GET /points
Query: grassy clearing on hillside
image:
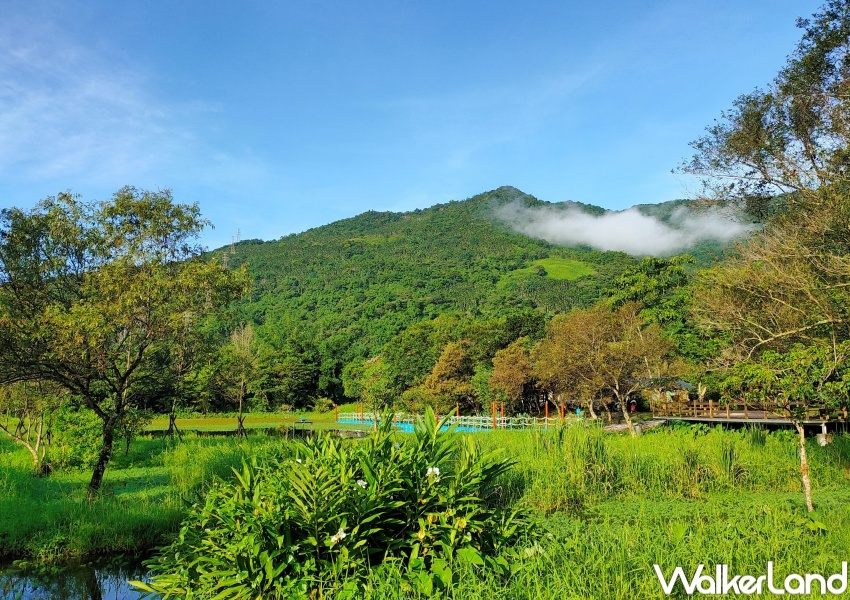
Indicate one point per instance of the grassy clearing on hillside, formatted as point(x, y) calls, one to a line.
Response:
point(555, 267)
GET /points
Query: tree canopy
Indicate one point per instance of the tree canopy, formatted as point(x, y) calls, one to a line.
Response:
point(782, 302)
point(94, 294)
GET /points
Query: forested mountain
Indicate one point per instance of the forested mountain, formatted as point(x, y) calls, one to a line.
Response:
point(338, 293)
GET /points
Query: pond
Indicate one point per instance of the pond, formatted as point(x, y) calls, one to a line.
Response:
point(104, 579)
point(408, 427)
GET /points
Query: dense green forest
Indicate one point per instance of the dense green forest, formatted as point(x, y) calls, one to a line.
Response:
point(338, 294)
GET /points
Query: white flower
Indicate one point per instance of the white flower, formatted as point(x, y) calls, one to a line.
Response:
point(362, 483)
point(298, 460)
point(339, 536)
point(433, 472)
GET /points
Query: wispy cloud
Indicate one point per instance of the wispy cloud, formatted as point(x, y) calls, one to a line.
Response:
point(78, 116)
point(629, 231)
point(64, 113)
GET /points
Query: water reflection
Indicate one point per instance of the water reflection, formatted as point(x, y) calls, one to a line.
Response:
point(75, 582)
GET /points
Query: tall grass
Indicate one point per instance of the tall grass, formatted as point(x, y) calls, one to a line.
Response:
point(143, 499)
point(609, 553)
point(563, 469)
point(608, 506)
point(616, 505)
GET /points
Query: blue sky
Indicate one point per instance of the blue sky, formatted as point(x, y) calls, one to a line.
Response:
point(281, 116)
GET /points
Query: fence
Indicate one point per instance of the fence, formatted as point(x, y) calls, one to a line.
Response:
point(463, 423)
point(737, 411)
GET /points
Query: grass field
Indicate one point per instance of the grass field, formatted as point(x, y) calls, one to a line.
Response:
point(315, 420)
point(607, 507)
point(556, 268)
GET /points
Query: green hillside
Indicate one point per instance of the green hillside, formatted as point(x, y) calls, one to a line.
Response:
point(336, 293)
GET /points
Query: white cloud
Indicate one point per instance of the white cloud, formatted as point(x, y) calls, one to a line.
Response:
point(628, 231)
point(63, 113)
point(76, 115)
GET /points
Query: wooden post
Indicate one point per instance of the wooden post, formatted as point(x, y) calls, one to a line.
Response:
point(746, 411)
point(336, 413)
point(493, 409)
point(710, 408)
point(728, 415)
point(547, 414)
point(457, 409)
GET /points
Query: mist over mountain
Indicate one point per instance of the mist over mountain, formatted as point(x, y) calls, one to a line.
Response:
point(632, 230)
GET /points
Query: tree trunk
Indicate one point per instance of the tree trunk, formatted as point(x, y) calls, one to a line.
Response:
point(240, 419)
point(38, 449)
point(624, 407)
point(607, 411)
point(172, 421)
point(804, 466)
point(102, 458)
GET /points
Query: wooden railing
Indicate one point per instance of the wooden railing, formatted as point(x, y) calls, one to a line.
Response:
point(709, 409)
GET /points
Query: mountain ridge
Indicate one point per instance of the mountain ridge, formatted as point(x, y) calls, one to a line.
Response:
point(341, 291)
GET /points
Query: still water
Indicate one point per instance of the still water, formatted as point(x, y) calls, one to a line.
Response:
point(75, 582)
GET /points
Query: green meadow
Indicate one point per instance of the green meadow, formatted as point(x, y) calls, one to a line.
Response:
point(604, 508)
point(553, 267)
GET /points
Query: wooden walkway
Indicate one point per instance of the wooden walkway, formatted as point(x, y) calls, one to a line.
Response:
point(739, 413)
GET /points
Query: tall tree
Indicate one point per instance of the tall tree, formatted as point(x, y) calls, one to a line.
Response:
point(450, 380)
point(91, 293)
point(602, 354)
point(512, 375)
point(785, 298)
point(789, 140)
point(236, 370)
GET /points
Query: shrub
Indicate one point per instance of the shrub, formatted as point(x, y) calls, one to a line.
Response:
point(318, 517)
point(77, 436)
point(323, 405)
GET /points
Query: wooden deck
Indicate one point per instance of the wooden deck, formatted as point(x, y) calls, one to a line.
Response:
point(739, 413)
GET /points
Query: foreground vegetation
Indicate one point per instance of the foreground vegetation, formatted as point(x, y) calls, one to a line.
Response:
point(605, 508)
